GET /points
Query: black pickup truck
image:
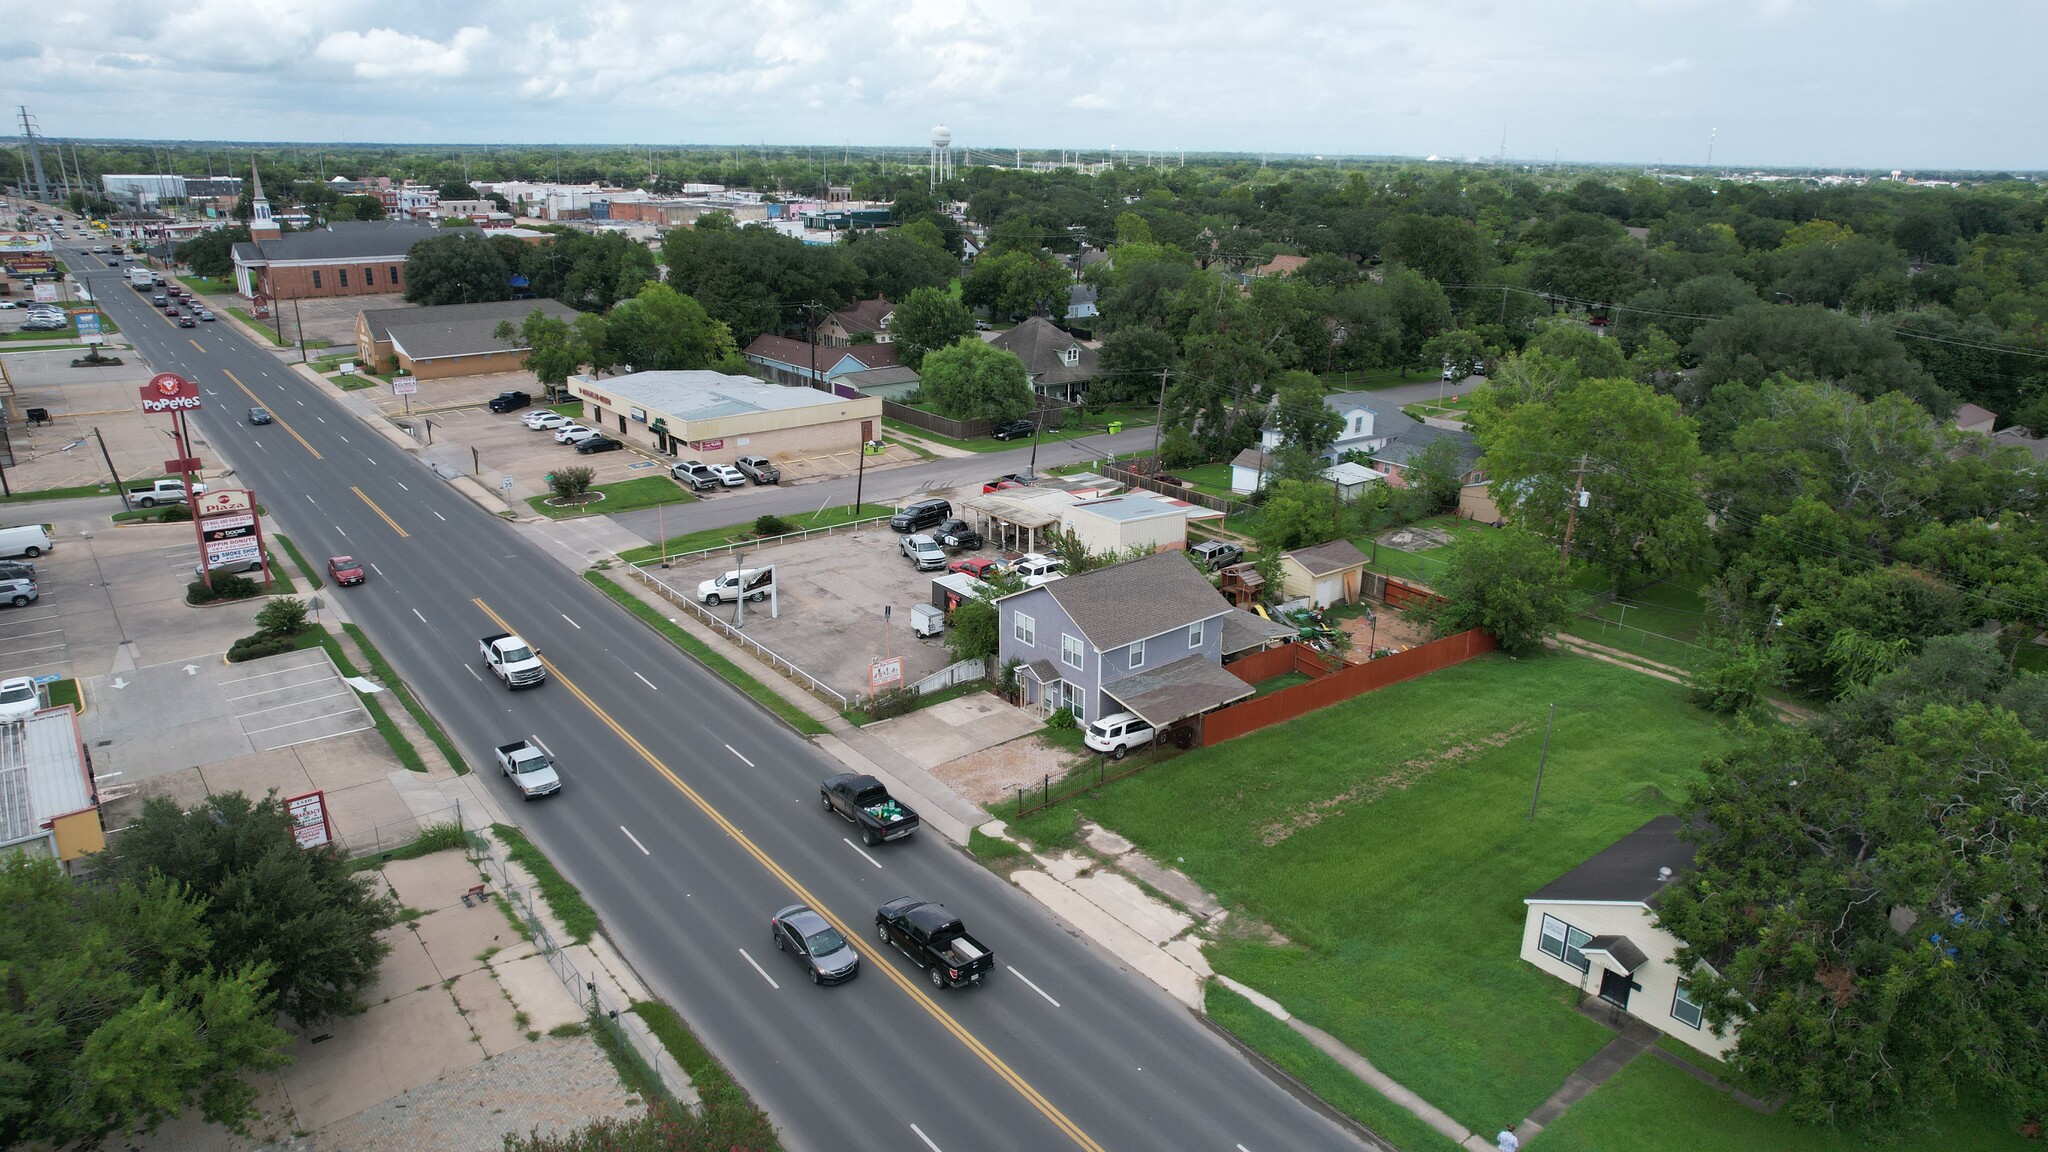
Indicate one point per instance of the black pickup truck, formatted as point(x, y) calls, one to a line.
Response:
point(936, 940)
point(868, 806)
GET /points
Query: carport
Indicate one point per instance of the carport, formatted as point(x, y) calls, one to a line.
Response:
point(1015, 518)
point(1171, 693)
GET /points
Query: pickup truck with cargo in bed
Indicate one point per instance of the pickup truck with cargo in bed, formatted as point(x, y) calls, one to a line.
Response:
point(935, 940)
point(528, 765)
point(868, 806)
point(512, 660)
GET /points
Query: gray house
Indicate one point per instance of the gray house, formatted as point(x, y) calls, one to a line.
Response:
point(1144, 636)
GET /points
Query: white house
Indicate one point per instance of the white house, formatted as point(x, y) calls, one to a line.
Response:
point(1116, 524)
point(1595, 927)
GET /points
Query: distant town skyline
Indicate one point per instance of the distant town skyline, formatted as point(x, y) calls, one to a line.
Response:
point(1813, 84)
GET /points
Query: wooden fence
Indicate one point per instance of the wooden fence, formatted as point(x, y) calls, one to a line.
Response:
point(1050, 413)
point(1267, 663)
point(1400, 595)
point(1151, 483)
point(1343, 684)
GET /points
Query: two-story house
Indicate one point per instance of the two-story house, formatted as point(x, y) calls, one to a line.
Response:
point(1058, 365)
point(866, 317)
point(1145, 636)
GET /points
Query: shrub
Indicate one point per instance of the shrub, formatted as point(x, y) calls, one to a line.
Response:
point(891, 702)
point(224, 588)
point(175, 513)
point(772, 525)
point(258, 646)
point(571, 483)
point(1062, 719)
point(285, 616)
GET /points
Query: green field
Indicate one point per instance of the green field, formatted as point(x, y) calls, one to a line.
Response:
point(620, 496)
point(1388, 838)
point(731, 533)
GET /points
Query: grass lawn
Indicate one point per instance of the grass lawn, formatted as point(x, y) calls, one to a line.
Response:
point(1284, 680)
point(262, 326)
point(312, 574)
point(381, 668)
point(208, 286)
point(76, 493)
point(621, 496)
point(1388, 839)
point(374, 705)
point(1661, 621)
point(1210, 479)
point(732, 533)
point(1371, 381)
point(1651, 1105)
point(1423, 565)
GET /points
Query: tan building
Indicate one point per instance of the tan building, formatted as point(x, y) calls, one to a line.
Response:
point(1325, 574)
point(1595, 927)
point(449, 339)
point(717, 418)
point(1117, 524)
point(48, 804)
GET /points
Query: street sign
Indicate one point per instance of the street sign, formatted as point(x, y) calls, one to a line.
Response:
point(88, 323)
point(309, 819)
point(182, 465)
point(505, 482)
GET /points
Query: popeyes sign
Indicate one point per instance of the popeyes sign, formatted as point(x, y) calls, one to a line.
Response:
point(169, 392)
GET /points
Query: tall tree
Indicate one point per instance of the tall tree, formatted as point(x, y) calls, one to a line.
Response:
point(302, 913)
point(897, 262)
point(663, 330)
point(1305, 422)
point(461, 268)
point(1632, 453)
point(1506, 581)
point(928, 319)
point(975, 381)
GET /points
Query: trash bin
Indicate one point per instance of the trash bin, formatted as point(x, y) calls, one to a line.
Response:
point(1115, 426)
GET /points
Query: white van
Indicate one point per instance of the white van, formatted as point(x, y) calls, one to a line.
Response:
point(30, 540)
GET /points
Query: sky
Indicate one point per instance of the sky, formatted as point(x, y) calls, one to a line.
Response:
point(1884, 84)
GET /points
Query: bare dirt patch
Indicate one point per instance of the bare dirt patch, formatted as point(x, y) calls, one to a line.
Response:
point(1404, 775)
point(994, 774)
point(1415, 539)
point(1395, 632)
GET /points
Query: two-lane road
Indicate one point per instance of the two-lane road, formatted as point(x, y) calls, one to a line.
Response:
point(688, 816)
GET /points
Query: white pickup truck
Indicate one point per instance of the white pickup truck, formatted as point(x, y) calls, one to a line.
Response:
point(512, 660)
point(528, 764)
point(162, 492)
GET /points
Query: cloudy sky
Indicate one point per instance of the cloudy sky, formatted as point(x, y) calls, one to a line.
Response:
point(1857, 83)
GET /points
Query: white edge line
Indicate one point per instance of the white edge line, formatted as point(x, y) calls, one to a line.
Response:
point(377, 570)
point(437, 515)
point(927, 1140)
point(1033, 987)
point(635, 840)
point(645, 680)
point(572, 623)
point(401, 484)
point(472, 672)
point(736, 752)
point(864, 854)
point(416, 612)
point(761, 970)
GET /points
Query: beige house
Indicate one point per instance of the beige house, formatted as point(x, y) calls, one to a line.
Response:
point(717, 418)
point(1116, 524)
point(1325, 574)
point(1595, 927)
point(446, 340)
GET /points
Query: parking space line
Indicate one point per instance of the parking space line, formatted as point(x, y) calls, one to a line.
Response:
point(33, 635)
point(292, 704)
point(276, 672)
point(761, 970)
point(323, 678)
point(44, 648)
point(307, 720)
point(11, 621)
point(314, 739)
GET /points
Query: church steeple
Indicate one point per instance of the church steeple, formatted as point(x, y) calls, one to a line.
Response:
point(261, 226)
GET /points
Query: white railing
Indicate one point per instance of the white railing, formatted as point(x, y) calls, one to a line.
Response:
point(950, 675)
point(769, 541)
point(766, 655)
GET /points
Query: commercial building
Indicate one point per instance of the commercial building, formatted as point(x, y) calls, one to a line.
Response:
point(449, 339)
point(1115, 525)
point(48, 804)
point(717, 418)
point(350, 258)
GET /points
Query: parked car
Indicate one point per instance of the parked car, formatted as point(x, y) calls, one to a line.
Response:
point(956, 533)
point(1118, 733)
point(345, 570)
point(920, 515)
point(923, 551)
point(511, 401)
point(1035, 565)
point(569, 433)
point(259, 415)
point(1214, 554)
point(815, 944)
point(751, 583)
point(230, 568)
point(541, 418)
point(17, 570)
point(19, 593)
point(18, 698)
point(697, 474)
point(597, 442)
point(758, 469)
point(729, 476)
point(975, 566)
point(1015, 430)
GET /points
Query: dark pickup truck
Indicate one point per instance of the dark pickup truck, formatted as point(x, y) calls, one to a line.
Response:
point(868, 806)
point(936, 940)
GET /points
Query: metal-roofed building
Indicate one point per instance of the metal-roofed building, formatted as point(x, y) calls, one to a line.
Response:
point(48, 805)
point(449, 339)
point(1117, 524)
point(718, 418)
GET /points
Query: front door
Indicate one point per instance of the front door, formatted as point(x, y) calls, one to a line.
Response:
point(1614, 988)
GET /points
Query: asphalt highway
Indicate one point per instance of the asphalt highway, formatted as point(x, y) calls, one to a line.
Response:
point(688, 816)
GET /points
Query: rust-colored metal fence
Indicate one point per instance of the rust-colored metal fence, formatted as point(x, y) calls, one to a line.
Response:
point(1343, 684)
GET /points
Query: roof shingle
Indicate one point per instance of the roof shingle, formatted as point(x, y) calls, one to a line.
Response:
point(1124, 602)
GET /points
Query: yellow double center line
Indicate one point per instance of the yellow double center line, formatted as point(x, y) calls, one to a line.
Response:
point(857, 939)
point(278, 420)
point(381, 515)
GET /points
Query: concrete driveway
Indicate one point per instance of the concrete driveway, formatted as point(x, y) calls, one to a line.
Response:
point(932, 736)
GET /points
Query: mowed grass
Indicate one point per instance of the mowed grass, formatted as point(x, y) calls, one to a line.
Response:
point(619, 496)
point(1650, 1105)
point(1388, 838)
point(736, 533)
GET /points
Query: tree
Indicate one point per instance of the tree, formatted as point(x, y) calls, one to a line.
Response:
point(928, 319)
point(662, 330)
point(975, 381)
point(1865, 907)
point(357, 208)
point(1633, 454)
point(1444, 248)
point(1460, 349)
point(284, 616)
point(122, 1009)
point(896, 263)
point(456, 269)
point(1015, 283)
point(1305, 422)
point(571, 484)
point(1133, 360)
point(1507, 581)
point(755, 280)
point(555, 348)
point(1435, 476)
point(300, 912)
point(1297, 514)
point(211, 253)
point(975, 631)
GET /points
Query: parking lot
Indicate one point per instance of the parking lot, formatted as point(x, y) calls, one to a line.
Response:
point(831, 591)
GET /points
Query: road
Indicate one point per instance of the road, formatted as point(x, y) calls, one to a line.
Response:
point(688, 816)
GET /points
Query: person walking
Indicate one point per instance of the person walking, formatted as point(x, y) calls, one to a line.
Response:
point(1507, 1141)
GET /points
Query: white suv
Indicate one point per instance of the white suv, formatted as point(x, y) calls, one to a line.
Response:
point(1117, 734)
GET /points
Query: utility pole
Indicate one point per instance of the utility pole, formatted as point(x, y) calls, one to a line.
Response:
point(1158, 422)
point(1578, 501)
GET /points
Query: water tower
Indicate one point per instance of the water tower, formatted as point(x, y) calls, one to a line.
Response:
point(942, 156)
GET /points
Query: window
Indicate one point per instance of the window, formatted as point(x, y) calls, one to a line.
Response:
point(1070, 650)
point(1024, 630)
point(316, 277)
point(343, 273)
point(1075, 700)
point(1072, 355)
point(1683, 1009)
point(370, 274)
point(1194, 636)
point(1563, 941)
point(1358, 425)
point(1138, 654)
